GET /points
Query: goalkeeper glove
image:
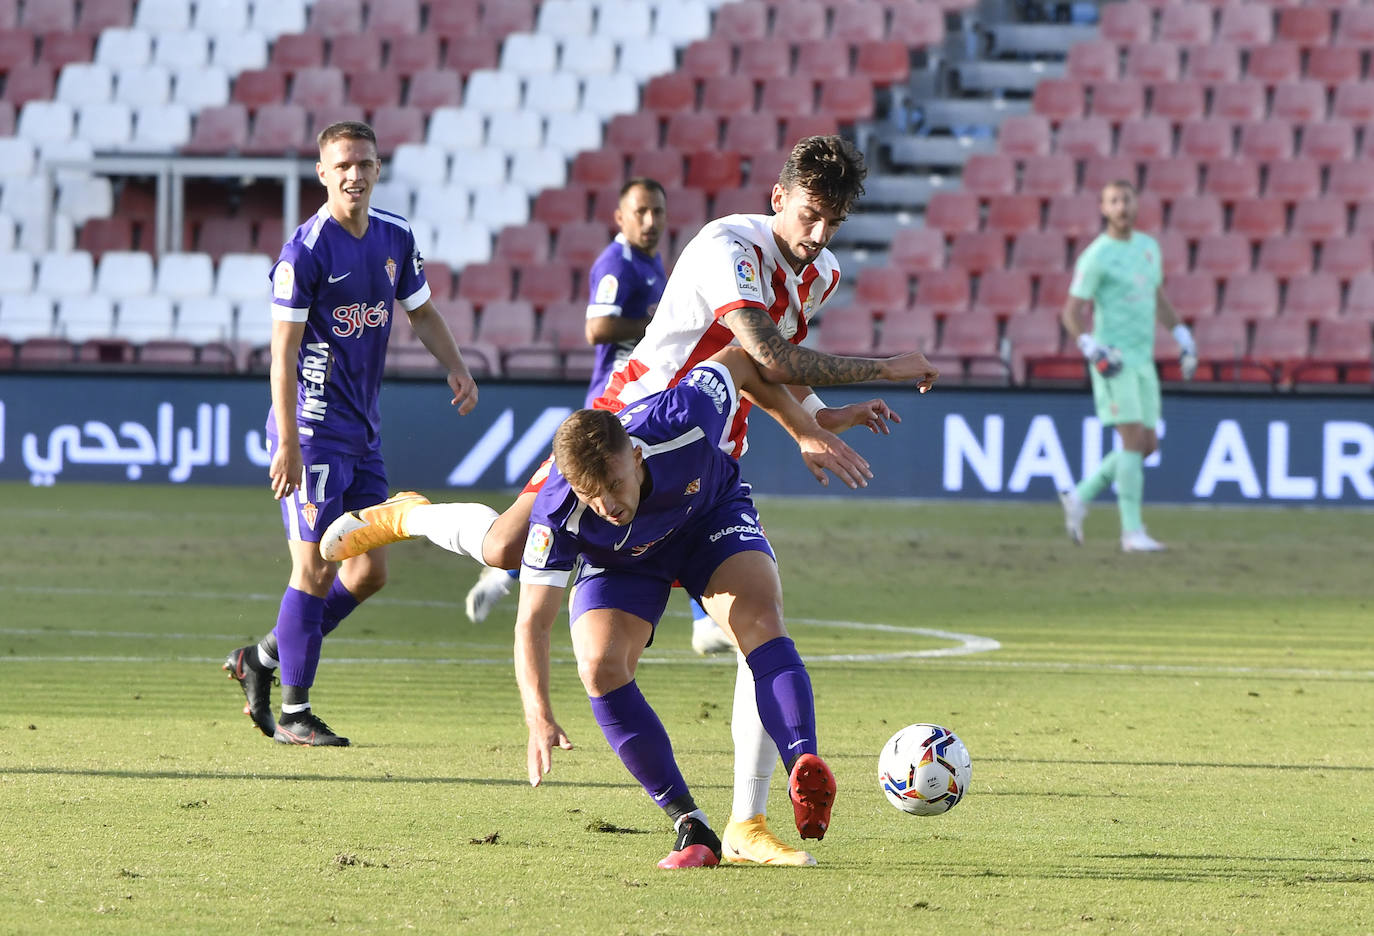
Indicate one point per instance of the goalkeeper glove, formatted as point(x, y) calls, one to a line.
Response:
point(1104, 359)
point(1187, 351)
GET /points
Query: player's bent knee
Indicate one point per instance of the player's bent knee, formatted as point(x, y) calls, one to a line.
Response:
point(602, 675)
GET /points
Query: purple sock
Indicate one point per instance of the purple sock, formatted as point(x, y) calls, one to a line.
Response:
point(338, 604)
point(633, 731)
point(298, 631)
point(782, 691)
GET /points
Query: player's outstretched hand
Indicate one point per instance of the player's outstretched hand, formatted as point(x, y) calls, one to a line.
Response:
point(464, 391)
point(912, 366)
point(285, 471)
point(824, 451)
point(544, 737)
point(874, 414)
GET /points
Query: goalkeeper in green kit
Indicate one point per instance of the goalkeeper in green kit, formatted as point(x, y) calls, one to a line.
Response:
point(1121, 274)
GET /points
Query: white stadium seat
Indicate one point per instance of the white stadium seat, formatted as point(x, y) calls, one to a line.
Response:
point(243, 276)
point(124, 274)
point(9, 232)
point(278, 17)
point(529, 54)
point(25, 201)
point(181, 49)
point(46, 122)
point(478, 167)
point(83, 317)
point(608, 95)
point(70, 273)
point(236, 52)
point(623, 19)
point(185, 275)
point(253, 322)
point(444, 204)
point(146, 84)
point(424, 234)
point(124, 48)
point(16, 271)
point(419, 164)
point(106, 126)
point(18, 157)
point(83, 198)
point(537, 169)
point(393, 195)
point(222, 17)
point(161, 128)
point(517, 130)
point(25, 317)
point(643, 59)
point(85, 83)
point(144, 318)
point(501, 206)
point(206, 86)
point(165, 15)
point(207, 319)
point(588, 55)
point(684, 21)
point(461, 244)
point(572, 133)
point(74, 150)
point(59, 235)
point(490, 91)
point(554, 93)
point(454, 127)
point(565, 18)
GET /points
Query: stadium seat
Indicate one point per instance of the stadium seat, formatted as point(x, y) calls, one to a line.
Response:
point(883, 62)
point(1312, 297)
point(1024, 135)
point(413, 54)
point(557, 207)
point(1012, 214)
point(461, 244)
point(1359, 300)
point(988, 174)
point(789, 97)
point(480, 283)
point(747, 134)
point(1145, 139)
point(239, 276)
point(1221, 338)
point(799, 126)
point(953, 212)
point(97, 15)
point(336, 17)
point(976, 251)
point(1259, 218)
point(297, 51)
point(124, 274)
point(1185, 24)
point(278, 18)
point(1351, 182)
point(52, 16)
point(846, 329)
point(1354, 27)
point(1364, 220)
point(1204, 139)
point(1250, 295)
point(1299, 102)
point(1328, 141)
point(1341, 353)
point(523, 244)
point(1196, 216)
point(580, 243)
point(544, 283)
point(238, 52)
point(726, 95)
point(1057, 99)
point(973, 334)
point(590, 55)
point(219, 236)
point(910, 330)
point(527, 54)
point(1238, 101)
point(1319, 219)
point(317, 88)
point(1280, 343)
point(65, 274)
point(1118, 101)
point(506, 324)
point(1246, 26)
point(1039, 252)
point(1177, 101)
point(260, 86)
point(80, 318)
point(122, 48)
point(1076, 216)
point(632, 132)
point(99, 235)
point(767, 58)
point(1048, 176)
point(1305, 26)
point(279, 129)
point(434, 88)
point(693, 130)
point(1266, 140)
point(643, 59)
point(1273, 65)
point(916, 250)
point(1346, 257)
point(1215, 63)
point(522, 129)
point(920, 25)
point(1285, 256)
point(144, 318)
point(472, 54)
point(682, 22)
point(598, 168)
point(1293, 180)
point(500, 205)
point(664, 164)
point(1093, 60)
point(1003, 293)
point(712, 170)
point(455, 128)
point(1152, 61)
point(456, 22)
point(60, 49)
point(492, 92)
point(107, 126)
point(205, 319)
point(85, 83)
point(185, 276)
point(1223, 255)
point(943, 292)
point(1332, 68)
point(573, 132)
point(666, 95)
point(849, 99)
point(1231, 179)
point(1126, 23)
point(1100, 170)
point(440, 279)
point(1084, 138)
point(745, 200)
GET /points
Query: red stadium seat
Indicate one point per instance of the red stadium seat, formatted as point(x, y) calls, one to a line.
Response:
point(219, 236)
point(686, 212)
point(1312, 297)
point(1359, 301)
point(750, 133)
point(1334, 67)
point(1031, 335)
point(849, 99)
point(415, 53)
point(1328, 141)
point(988, 174)
point(565, 325)
point(973, 336)
point(1355, 27)
point(1057, 99)
point(1223, 255)
point(279, 129)
point(49, 16)
point(454, 19)
point(1024, 135)
point(883, 62)
point(1306, 26)
point(1177, 101)
point(105, 14)
point(1238, 101)
point(1003, 293)
point(1221, 338)
point(480, 283)
point(1039, 252)
point(1280, 343)
point(596, 168)
point(505, 323)
point(976, 251)
point(1364, 220)
point(1299, 102)
point(545, 282)
point(692, 130)
point(668, 94)
point(1193, 295)
point(1351, 182)
point(440, 279)
point(1205, 139)
point(748, 199)
point(1126, 23)
point(954, 212)
point(98, 235)
point(1012, 214)
point(767, 58)
point(799, 20)
point(295, 51)
point(394, 18)
point(1196, 216)
point(1353, 101)
point(1052, 290)
point(1077, 217)
point(1084, 138)
point(663, 165)
point(470, 54)
point(745, 21)
point(709, 57)
point(17, 48)
point(432, 88)
point(910, 330)
point(1231, 179)
point(1186, 24)
point(523, 244)
point(765, 166)
point(917, 250)
point(346, 51)
point(790, 97)
point(712, 170)
point(580, 243)
point(919, 25)
point(373, 88)
point(944, 292)
point(846, 330)
point(1266, 140)
point(1259, 218)
point(1213, 64)
point(219, 131)
point(1118, 101)
point(1100, 170)
point(1293, 180)
point(316, 88)
point(1347, 257)
point(1152, 61)
point(336, 17)
point(1145, 139)
point(1246, 26)
point(860, 21)
point(1320, 219)
point(1341, 353)
point(1250, 296)
point(1149, 216)
point(629, 133)
point(256, 87)
point(508, 16)
point(727, 94)
point(1048, 176)
point(1093, 60)
point(882, 288)
point(822, 59)
point(1275, 64)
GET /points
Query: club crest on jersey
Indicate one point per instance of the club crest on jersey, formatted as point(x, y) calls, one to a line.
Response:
point(709, 383)
point(310, 513)
point(693, 487)
point(391, 270)
point(537, 546)
point(747, 277)
point(283, 280)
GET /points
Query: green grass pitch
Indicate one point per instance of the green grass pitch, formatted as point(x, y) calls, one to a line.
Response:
point(1173, 743)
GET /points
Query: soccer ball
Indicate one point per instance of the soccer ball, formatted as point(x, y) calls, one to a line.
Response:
point(924, 770)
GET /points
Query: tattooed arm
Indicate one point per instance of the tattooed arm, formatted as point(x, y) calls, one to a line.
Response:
point(780, 361)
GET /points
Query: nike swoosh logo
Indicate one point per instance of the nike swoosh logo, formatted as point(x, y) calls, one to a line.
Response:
point(335, 279)
point(797, 742)
point(651, 280)
point(624, 538)
point(743, 538)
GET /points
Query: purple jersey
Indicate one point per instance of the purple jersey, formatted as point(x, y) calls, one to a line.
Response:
point(346, 290)
point(680, 432)
point(626, 283)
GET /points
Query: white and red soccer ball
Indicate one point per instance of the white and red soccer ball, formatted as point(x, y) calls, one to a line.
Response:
point(924, 770)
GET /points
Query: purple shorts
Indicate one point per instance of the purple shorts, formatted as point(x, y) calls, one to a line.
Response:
point(690, 557)
point(333, 483)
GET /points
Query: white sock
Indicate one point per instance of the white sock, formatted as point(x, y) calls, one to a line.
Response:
point(459, 528)
point(293, 709)
point(698, 814)
point(265, 658)
point(756, 755)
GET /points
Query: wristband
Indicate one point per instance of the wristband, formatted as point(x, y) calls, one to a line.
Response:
point(1087, 344)
point(811, 404)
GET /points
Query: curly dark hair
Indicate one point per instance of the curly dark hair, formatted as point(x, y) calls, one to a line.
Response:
point(828, 168)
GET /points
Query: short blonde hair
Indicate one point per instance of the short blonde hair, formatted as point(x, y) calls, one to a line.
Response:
point(584, 445)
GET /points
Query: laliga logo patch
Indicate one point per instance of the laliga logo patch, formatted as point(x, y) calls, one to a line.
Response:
point(391, 270)
point(537, 546)
point(311, 513)
point(284, 280)
point(708, 383)
point(747, 278)
point(606, 290)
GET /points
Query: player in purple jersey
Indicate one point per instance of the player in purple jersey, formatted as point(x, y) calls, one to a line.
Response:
point(338, 283)
point(633, 503)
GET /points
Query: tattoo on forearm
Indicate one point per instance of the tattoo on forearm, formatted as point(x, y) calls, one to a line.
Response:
point(759, 335)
